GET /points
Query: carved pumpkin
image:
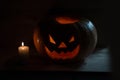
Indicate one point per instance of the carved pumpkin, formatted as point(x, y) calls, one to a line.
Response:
point(65, 39)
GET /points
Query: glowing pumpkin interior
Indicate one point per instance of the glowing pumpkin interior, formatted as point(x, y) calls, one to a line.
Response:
point(66, 20)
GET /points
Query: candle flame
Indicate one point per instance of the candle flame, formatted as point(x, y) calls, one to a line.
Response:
point(22, 43)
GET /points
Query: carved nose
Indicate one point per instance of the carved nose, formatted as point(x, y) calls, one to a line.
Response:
point(62, 45)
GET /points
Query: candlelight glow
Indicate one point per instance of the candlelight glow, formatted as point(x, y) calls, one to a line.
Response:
point(22, 43)
point(23, 50)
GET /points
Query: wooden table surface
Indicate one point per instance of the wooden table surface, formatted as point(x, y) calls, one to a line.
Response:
point(99, 61)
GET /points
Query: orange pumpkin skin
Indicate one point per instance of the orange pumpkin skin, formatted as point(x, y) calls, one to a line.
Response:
point(65, 39)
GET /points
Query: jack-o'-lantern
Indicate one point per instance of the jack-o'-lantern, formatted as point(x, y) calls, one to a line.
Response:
point(65, 39)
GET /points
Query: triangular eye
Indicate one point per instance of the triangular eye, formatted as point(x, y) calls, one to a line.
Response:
point(52, 40)
point(72, 39)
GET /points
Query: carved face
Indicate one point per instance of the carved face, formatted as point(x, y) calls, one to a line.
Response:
point(61, 40)
point(62, 50)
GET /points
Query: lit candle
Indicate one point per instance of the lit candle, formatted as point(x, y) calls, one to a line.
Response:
point(23, 50)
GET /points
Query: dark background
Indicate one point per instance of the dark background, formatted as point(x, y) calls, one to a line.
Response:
point(19, 17)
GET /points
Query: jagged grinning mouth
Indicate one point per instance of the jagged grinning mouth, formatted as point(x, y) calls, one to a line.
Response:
point(63, 55)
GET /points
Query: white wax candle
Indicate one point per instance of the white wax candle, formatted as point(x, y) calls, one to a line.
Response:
point(23, 50)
